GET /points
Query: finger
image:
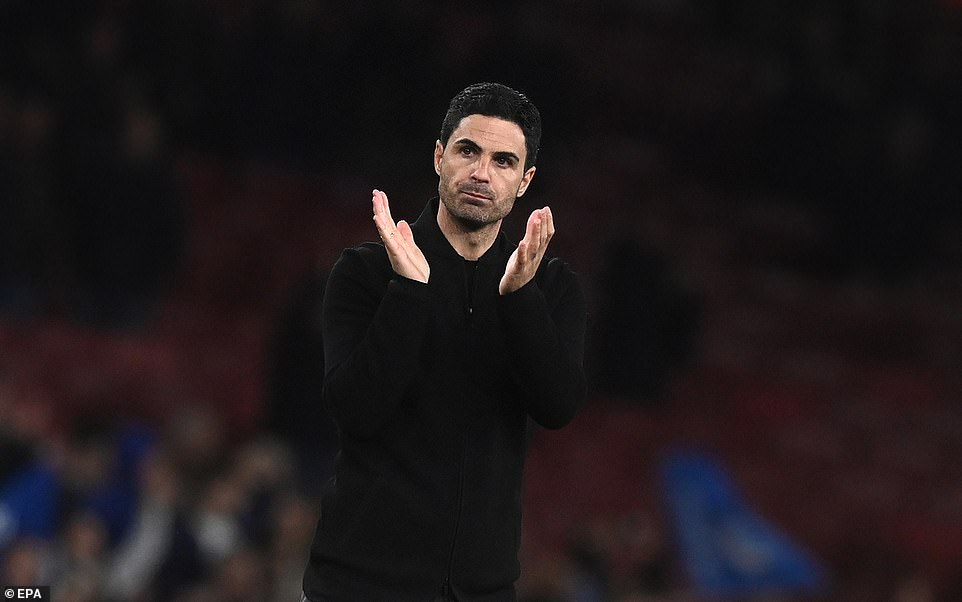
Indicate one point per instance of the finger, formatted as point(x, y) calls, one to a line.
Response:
point(383, 210)
point(386, 206)
point(522, 255)
point(380, 201)
point(390, 226)
point(543, 232)
point(405, 231)
point(413, 257)
point(393, 244)
point(378, 206)
point(530, 234)
point(398, 238)
point(378, 214)
point(536, 240)
point(382, 216)
point(549, 220)
point(411, 250)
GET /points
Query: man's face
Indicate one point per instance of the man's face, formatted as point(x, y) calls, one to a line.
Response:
point(482, 170)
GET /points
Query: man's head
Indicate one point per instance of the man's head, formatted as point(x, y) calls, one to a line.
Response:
point(496, 100)
point(486, 153)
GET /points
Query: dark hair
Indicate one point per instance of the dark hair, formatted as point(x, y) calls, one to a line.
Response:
point(496, 100)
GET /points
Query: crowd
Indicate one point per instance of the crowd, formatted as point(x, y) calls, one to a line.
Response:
point(123, 511)
point(120, 511)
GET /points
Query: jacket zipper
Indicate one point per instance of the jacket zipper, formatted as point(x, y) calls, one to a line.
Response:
point(470, 286)
point(446, 586)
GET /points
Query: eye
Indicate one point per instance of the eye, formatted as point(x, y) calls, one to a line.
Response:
point(466, 151)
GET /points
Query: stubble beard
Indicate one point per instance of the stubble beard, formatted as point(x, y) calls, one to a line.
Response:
point(473, 217)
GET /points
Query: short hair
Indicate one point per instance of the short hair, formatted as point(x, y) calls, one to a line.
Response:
point(496, 100)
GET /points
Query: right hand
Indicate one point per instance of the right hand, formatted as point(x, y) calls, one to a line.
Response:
point(406, 258)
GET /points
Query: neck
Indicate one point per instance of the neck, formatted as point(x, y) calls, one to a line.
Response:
point(470, 242)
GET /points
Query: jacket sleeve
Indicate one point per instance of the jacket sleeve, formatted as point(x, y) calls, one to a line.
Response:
point(372, 341)
point(546, 341)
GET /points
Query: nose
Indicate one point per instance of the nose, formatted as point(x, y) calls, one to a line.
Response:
point(480, 172)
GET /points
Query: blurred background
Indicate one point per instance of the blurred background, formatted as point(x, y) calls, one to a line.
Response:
point(761, 198)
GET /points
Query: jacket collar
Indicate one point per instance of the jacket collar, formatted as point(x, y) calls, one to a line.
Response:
point(428, 236)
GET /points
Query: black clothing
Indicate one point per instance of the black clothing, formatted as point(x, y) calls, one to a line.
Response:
point(431, 386)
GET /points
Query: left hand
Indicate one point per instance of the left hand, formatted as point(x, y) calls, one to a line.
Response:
point(525, 260)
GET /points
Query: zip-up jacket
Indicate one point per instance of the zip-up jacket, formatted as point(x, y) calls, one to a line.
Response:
point(431, 386)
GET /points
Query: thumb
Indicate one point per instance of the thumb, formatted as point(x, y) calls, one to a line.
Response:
point(405, 230)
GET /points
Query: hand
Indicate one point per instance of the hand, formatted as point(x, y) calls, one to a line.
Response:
point(406, 258)
point(525, 260)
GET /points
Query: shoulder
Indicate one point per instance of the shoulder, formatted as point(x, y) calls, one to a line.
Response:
point(366, 262)
point(365, 254)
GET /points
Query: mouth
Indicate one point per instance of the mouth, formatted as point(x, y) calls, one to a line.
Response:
point(475, 195)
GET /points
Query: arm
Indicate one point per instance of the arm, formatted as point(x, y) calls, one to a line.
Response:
point(547, 345)
point(372, 331)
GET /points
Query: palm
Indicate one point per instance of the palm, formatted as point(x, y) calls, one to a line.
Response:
point(406, 258)
point(524, 261)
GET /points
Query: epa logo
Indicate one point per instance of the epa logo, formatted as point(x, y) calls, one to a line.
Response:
point(24, 593)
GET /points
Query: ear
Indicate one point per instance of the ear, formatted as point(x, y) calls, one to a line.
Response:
point(438, 153)
point(525, 181)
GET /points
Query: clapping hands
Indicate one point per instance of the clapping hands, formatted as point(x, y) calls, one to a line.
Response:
point(406, 258)
point(524, 262)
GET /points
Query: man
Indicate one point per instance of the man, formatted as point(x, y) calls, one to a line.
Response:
point(440, 343)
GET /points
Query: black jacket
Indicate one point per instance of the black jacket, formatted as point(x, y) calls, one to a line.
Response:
point(431, 386)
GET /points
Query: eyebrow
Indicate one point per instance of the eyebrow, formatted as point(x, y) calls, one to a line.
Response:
point(497, 155)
